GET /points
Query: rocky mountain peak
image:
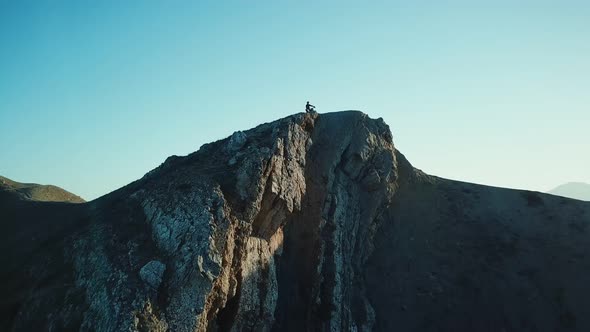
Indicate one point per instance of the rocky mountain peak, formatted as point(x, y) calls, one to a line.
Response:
point(296, 177)
point(311, 222)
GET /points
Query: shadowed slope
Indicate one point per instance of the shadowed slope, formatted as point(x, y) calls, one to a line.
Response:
point(456, 256)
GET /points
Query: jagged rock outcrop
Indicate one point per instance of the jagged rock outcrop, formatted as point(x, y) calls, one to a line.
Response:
point(312, 222)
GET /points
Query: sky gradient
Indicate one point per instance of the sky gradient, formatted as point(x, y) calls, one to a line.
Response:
point(94, 94)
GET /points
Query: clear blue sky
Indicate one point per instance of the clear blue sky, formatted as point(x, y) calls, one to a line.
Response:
point(93, 94)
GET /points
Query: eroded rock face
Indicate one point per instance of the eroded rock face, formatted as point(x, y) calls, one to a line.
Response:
point(296, 225)
point(222, 222)
point(152, 273)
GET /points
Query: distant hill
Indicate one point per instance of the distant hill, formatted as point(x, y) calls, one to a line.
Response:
point(576, 190)
point(36, 192)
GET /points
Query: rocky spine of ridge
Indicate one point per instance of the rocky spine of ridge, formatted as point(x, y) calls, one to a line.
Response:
point(267, 228)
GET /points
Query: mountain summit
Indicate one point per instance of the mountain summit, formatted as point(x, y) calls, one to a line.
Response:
point(311, 222)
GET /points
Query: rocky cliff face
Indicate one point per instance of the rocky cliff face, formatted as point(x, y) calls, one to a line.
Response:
point(312, 222)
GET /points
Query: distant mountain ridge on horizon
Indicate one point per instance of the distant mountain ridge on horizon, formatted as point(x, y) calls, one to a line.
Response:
point(37, 192)
point(575, 190)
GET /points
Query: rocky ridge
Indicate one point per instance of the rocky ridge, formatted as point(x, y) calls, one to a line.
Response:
point(311, 222)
